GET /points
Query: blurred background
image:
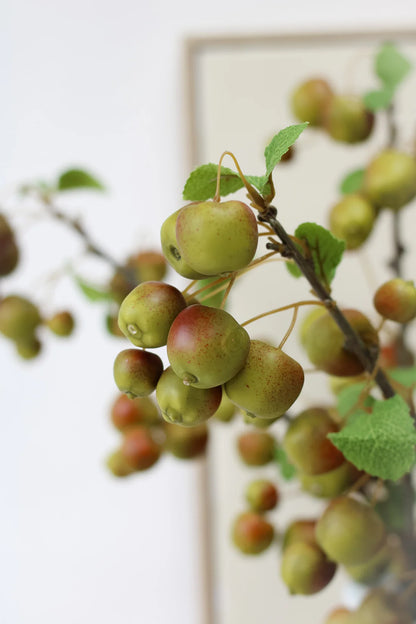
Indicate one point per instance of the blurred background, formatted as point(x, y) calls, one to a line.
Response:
point(103, 85)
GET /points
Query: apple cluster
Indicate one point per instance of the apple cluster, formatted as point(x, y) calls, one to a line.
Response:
point(209, 352)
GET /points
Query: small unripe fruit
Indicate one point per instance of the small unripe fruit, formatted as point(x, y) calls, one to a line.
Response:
point(332, 483)
point(300, 531)
point(111, 324)
point(217, 237)
point(147, 313)
point(390, 179)
point(61, 323)
point(396, 300)
point(19, 318)
point(256, 448)
point(371, 570)
point(350, 532)
point(118, 465)
point(184, 405)
point(340, 615)
point(126, 412)
point(262, 495)
point(269, 382)
point(324, 343)
point(305, 569)
point(9, 252)
point(251, 533)
point(140, 449)
point(137, 372)
point(29, 347)
point(171, 249)
point(352, 219)
point(347, 120)
point(149, 266)
point(310, 99)
point(307, 445)
point(206, 346)
point(186, 442)
point(226, 410)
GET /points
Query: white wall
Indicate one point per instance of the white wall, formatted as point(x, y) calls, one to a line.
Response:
point(100, 84)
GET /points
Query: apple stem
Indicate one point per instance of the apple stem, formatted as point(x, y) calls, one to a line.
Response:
point(291, 327)
point(282, 309)
point(227, 292)
point(254, 195)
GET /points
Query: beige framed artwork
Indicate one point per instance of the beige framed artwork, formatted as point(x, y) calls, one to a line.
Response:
point(239, 97)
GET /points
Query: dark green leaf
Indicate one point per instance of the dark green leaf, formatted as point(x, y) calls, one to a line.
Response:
point(93, 293)
point(287, 470)
point(382, 443)
point(78, 179)
point(280, 144)
point(391, 66)
point(378, 100)
point(352, 183)
point(202, 183)
point(325, 248)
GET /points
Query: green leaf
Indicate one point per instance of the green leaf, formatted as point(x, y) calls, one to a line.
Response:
point(280, 144)
point(382, 443)
point(93, 293)
point(404, 375)
point(261, 183)
point(287, 470)
point(293, 269)
point(353, 182)
point(348, 398)
point(391, 66)
point(326, 249)
point(378, 100)
point(202, 182)
point(77, 179)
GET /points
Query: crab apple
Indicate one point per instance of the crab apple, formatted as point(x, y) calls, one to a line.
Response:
point(352, 219)
point(136, 372)
point(256, 448)
point(332, 483)
point(19, 318)
point(310, 99)
point(146, 314)
point(186, 442)
point(217, 237)
point(300, 531)
point(171, 249)
point(227, 410)
point(29, 347)
point(251, 533)
point(126, 412)
point(371, 570)
point(390, 179)
point(395, 300)
point(347, 120)
point(350, 531)
point(206, 346)
point(111, 325)
point(262, 495)
point(149, 266)
point(324, 343)
point(383, 607)
point(269, 382)
point(185, 405)
point(118, 465)
point(140, 449)
point(307, 445)
point(9, 252)
point(61, 323)
point(305, 568)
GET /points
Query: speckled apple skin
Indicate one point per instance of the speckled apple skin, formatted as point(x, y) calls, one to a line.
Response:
point(137, 372)
point(396, 300)
point(149, 310)
point(206, 346)
point(171, 249)
point(217, 237)
point(324, 343)
point(268, 384)
point(184, 405)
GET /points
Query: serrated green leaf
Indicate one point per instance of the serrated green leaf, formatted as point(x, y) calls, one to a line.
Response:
point(352, 182)
point(326, 249)
point(404, 375)
point(349, 397)
point(78, 179)
point(280, 144)
point(261, 183)
point(391, 66)
point(93, 293)
point(382, 443)
point(202, 182)
point(378, 100)
point(287, 470)
point(293, 269)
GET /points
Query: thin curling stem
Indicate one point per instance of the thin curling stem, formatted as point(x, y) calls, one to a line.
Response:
point(291, 327)
point(282, 309)
point(254, 195)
